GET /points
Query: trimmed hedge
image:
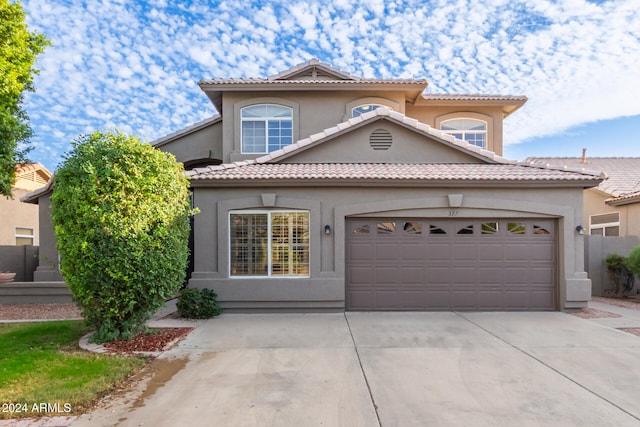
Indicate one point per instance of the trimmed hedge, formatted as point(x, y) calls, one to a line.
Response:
point(121, 211)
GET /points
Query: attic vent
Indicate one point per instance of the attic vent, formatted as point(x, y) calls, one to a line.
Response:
point(380, 139)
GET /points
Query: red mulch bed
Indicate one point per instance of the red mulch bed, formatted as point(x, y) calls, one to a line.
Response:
point(155, 339)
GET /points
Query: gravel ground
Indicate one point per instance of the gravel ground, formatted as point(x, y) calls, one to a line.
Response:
point(39, 311)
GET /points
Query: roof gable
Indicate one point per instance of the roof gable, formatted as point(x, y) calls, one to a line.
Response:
point(312, 70)
point(382, 114)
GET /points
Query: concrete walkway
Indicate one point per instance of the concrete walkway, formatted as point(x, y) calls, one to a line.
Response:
point(392, 369)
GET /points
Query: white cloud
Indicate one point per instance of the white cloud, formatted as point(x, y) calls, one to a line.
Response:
point(135, 65)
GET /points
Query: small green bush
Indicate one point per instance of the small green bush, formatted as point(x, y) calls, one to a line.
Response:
point(615, 261)
point(198, 304)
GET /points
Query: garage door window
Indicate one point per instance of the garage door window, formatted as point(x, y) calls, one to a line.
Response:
point(516, 228)
point(490, 227)
point(268, 244)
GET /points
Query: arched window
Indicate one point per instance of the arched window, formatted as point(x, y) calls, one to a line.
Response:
point(266, 128)
point(365, 108)
point(471, 130)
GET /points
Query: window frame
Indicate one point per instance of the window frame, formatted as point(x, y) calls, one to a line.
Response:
point(31, 236)
point(374, 106)
point(605, 225)
point(266, 120)
point(466, 132)
point(269, 213)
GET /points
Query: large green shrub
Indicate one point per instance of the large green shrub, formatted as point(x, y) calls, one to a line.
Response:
point(121, 214)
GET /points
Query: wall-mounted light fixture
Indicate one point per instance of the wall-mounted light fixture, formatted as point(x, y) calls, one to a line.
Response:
point(327, 229)
point(580, 230)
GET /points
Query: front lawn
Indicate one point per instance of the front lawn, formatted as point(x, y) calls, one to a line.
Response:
point(43, 372)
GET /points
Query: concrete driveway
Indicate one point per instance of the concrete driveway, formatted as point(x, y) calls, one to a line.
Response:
point(393, 369)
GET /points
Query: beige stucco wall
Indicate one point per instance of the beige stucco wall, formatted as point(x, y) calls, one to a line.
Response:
point(316, 111)
point(332, 205)
point(629, 214)
point(200, 144)
point(14, 213)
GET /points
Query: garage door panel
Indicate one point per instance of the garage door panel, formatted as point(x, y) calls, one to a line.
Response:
point(463, 275)
point(362, 300)
point(414, 300)
point(489, 275)
point(388, 251)
point(490, 299)
point(361, 275)
point(517, 251)
point(541, 252)
point(360, 251)
point(388, 300)
point(540, 276)
point(437, 276)
point(464, 300)
point(491, 251)
point(541, 298)
point(438, 251)
point(468, 264)
point(413, 276)
point(439, 299)
point(465, 252)
point(387, 275)
point(413, 251)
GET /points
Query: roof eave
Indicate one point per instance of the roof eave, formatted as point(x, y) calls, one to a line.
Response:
point(509, 105)
point(371, 182)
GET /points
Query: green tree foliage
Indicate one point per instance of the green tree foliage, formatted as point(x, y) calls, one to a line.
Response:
point(121, 214)
point(19, 49)
point(633, 261)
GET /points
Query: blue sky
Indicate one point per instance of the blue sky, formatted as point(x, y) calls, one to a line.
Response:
point(134, 65)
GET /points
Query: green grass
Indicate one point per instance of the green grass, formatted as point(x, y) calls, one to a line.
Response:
point(41, 364)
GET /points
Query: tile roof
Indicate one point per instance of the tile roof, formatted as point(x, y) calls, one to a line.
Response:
point(623, 173)
point(471, 97)
point(267, 168)
point(284, 83)
point(313, 63)
point(379, 173)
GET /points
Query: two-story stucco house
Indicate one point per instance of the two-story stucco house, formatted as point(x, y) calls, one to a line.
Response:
point(320, 190)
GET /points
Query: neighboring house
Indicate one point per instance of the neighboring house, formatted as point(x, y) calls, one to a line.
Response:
point(319, 190)
point(18, 220)
point(613, 207)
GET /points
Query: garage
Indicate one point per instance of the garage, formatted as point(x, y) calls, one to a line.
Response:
point(451, 264)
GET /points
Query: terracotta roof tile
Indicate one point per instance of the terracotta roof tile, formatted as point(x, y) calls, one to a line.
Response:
point(623, 173)
point(471, 97)
point(381, 172)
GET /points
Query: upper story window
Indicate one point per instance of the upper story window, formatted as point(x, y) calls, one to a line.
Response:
point(266, 128)
point(365, 108)
point(471, 130)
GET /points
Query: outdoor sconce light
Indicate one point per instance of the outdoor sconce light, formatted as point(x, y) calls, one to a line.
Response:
point(327, 229)
point(580, 230)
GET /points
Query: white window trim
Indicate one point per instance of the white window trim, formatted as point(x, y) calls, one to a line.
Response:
point(376, 105)
point(485, 132)
point(268, 212)
point(603, 226)
point(31, 236)
point(265, 120)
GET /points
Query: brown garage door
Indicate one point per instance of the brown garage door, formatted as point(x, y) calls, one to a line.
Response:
point(461, 264)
